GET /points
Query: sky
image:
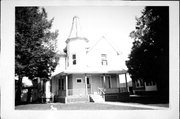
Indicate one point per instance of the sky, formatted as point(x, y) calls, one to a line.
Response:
point(113, 22)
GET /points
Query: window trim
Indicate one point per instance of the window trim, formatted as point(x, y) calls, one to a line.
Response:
point(104, 60)
point(74, 58)
point(61, 84)
point(110, 82)
point(79, 79)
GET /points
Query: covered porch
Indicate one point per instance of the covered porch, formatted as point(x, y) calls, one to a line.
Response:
point(79, 86)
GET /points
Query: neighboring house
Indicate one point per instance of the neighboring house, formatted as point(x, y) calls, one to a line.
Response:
point(36, 92)
point(141, 87)
point(88, 73)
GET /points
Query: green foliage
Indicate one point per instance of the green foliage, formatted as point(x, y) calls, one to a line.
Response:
point(149, 57)
point(35, 45)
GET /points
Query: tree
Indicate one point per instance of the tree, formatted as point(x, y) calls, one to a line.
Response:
point(35, 45)
point(149, 57)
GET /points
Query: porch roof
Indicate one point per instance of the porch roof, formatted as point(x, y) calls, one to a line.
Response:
point(86, 71)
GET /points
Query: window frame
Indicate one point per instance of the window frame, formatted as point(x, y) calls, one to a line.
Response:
point(104, 60)
point(61, 84)
point(79, 79)
point(109, 81)
point(74, 59)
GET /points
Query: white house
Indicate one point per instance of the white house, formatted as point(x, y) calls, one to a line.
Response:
point(88, 73)
point(140, 86)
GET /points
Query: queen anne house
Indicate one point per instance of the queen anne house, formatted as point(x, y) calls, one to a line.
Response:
point(88, 73)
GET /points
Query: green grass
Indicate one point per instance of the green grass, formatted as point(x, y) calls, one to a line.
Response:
point(76, 106)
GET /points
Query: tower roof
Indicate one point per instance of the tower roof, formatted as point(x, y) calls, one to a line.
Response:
point(75, 31)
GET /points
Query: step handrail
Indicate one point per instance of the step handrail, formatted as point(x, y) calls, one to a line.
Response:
point(101, 92)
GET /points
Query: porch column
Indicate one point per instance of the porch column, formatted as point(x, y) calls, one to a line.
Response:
point(66, 85)
point(119, 86)
point(126, 82)
point(104, 80)
point(86, 90)
point(118, 81)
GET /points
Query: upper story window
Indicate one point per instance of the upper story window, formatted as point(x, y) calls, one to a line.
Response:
point(104, 59)
point(74, 59)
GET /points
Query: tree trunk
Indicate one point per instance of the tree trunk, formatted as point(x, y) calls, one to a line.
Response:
point(29, 95)
point(19, 89)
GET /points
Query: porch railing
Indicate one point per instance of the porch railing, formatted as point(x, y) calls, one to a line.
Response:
point(123, 89)
point(83, 91)
point(79, 92)
point(62, 92)
point(101, 92)
point(112, 90)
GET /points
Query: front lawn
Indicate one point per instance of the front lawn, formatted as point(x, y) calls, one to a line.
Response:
point(76, 106)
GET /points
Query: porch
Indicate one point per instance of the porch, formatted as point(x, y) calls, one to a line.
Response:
point(80, 87)
point(82, 91)
point(80, 95)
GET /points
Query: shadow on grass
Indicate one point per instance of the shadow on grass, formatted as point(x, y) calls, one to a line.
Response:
point(149, 100)
point(27, 103)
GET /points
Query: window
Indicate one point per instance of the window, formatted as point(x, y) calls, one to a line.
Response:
point(87, 80)
point(108, 82)
point(141, 82)
point(79, 80)
point(104, 59)
point(61, 84)
point(74, 59)
point(137, 83)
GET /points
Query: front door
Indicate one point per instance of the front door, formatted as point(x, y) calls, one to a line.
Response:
point(88, 85)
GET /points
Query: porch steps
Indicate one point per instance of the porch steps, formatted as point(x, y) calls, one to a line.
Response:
point(96, 98)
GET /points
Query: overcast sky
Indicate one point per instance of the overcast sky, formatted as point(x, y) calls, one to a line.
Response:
point(113, 22)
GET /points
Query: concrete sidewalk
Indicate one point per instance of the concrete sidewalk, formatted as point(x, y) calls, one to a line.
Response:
point(135, 105)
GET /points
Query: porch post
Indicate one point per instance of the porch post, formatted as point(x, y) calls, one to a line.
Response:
point(118, 81)
point(104, 80)
point(86, 91)
point(66, 85)
point(119, 86)
point(126, 82)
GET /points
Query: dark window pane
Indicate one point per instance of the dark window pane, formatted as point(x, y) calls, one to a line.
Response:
point(78, 80)
point(74, 62)
point(87, 80)
point(74, 56)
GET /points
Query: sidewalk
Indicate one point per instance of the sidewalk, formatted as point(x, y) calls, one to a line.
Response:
point(136, 105)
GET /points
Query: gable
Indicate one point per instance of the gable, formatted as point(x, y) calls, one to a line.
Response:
point(103, 46)
point(103, 49)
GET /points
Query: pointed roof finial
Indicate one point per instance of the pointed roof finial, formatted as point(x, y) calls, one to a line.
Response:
point(75, 28)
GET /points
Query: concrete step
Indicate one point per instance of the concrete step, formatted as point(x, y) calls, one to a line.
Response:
point(96, 98)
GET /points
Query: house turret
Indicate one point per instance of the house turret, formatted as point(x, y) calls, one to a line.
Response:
point(76, 45)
